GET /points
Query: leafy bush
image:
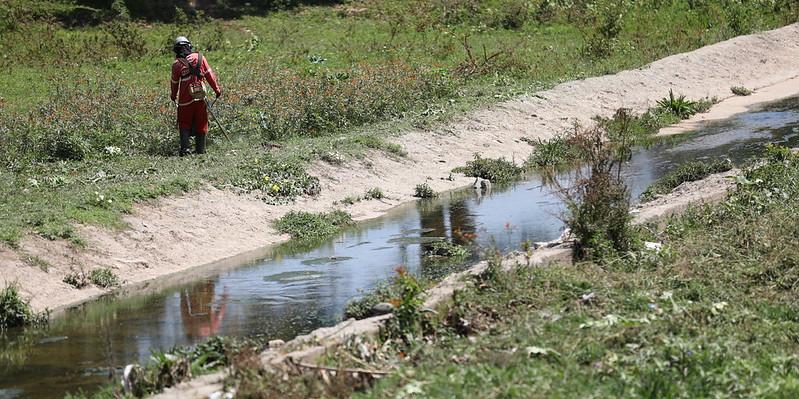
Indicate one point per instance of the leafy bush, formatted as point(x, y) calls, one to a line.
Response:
point(682, 107)
point(313, 226)
point(77, 279)
point(424, 191)
point(740, 91)
point(557, 151)
point(496, 170)
point(104, 277)
point(408, 320)
point(689, 171)
point(678, 105)
point(597, 202)
point(15, 311)
point(448, 249)
point(374, 193)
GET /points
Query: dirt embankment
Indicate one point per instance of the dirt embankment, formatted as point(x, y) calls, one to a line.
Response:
point(174, 234)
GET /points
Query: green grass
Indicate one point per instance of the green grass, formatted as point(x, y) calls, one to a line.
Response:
point(711, 315)
point(497, 170)
point(424, 190)
point(686, 172)
point(341, 88)
point(313, 226)
point(104, 278)
point(15, 311)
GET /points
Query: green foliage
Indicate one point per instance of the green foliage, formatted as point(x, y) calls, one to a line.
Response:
point(555, 152)
point(37, 262)
point(686, 172)
point(386, 75)
point(597, 201)
point(15, 311)
point(718, 300)
point(408, 321)
point(682, 107)
point(104, 277)
point(496, 170)
point(169, 368)
point(740, 91)
point(448, 249)
point(313, 226)
point(361, 308)
point(318, 103)
point(374, 193)
point(565, 150)
point(424, 191)
point(277, 180)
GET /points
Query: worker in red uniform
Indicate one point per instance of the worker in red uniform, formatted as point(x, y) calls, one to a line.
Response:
point(190, 71)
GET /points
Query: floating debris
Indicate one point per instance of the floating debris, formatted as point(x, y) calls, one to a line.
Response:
point(299, 275)
point(414, 240)
point(325, 260)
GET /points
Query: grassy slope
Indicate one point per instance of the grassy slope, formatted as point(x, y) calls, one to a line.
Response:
point(711, 315)
point(401, 62)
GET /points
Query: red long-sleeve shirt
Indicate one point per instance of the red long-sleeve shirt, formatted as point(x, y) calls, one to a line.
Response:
point(182, 78)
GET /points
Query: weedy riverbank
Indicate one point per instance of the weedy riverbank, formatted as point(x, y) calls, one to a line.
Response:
point(709, 314)
point(87, 137)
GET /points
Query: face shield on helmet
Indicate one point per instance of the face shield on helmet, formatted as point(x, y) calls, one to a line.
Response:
point(182, 46)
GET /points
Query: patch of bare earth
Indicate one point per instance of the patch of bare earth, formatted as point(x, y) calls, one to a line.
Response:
point(175, 234)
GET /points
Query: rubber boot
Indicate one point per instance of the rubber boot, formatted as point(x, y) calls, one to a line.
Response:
point(199, 143)
point(185, 148)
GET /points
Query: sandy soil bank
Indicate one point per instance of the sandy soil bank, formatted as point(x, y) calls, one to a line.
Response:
point(172, 235)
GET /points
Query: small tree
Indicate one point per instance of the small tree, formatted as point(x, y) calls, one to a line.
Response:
point(596, 196)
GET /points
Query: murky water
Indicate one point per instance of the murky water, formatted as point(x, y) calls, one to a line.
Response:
point(292, 290)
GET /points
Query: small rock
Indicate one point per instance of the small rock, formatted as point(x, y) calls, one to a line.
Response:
point(382, 308)
point(653, 246)
point(276, 343)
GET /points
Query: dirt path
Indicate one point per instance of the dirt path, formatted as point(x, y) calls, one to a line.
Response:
point(173, 235)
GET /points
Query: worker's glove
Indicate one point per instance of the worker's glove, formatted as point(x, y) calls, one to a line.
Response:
point(219, 94)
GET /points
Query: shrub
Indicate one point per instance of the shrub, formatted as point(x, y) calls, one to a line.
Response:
point(448, 249)
point(374, 193)
point(77, 279)
point(557, 151)
point(677, 105)
point(319, 103)
point(598, 204)
point(740, 91)
point(424, 191)
point(15, 311)
point(104, 277)
point(689, 171)
point(496, 170)
point(408, 321)
point(682, 107)
point(313, 226)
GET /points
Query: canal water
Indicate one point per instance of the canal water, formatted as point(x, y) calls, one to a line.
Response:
point(292, 290)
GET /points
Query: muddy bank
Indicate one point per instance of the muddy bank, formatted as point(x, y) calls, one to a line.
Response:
point(172, 235)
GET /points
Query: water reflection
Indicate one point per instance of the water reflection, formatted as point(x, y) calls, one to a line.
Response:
point(201, 315)
point(296, 289)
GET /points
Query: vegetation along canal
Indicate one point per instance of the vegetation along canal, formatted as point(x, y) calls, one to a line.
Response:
point(295, 290)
